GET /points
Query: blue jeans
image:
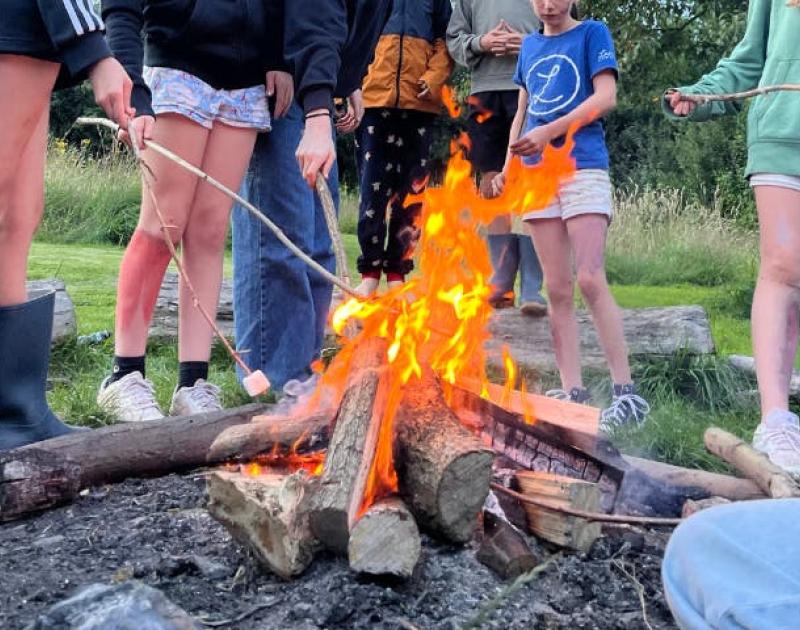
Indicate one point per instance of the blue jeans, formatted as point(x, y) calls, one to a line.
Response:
point(281, 305)
point(736, 567)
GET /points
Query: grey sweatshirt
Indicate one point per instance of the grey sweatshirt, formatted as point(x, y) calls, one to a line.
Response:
point(473, 18)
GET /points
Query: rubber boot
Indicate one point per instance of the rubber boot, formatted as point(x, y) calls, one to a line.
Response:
point(25, 331)
point(530, 271)
point(504, 253)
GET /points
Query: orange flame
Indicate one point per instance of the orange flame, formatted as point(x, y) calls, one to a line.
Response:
point(483, 114)
point(440, 316)
point(450, 101)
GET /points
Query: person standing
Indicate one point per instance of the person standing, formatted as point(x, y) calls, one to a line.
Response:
point(280, 304)
point(402, 95)
point(42, 45)
point(485, 36)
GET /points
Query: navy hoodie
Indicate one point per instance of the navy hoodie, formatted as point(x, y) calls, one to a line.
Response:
point(231, 44)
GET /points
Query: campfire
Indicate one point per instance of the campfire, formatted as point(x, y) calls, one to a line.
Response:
point(405, 448)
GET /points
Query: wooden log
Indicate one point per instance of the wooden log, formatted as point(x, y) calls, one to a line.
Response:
point(142, 449)
point(263, 513)
point(337, 499)
point(748, 461)
point(554, 526)
point(443, 470)
point(385, 540)
point(715, 484)
point(504, 549)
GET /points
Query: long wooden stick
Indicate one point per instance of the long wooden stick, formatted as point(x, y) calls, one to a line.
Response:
point(279, 234)
point(329, 211)
point(589, 516)
point(702, 99)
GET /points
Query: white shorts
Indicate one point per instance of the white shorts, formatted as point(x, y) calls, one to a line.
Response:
point(589, 192)
point(792, 182)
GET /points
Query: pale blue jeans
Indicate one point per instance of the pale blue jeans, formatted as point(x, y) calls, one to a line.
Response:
point(737, 567)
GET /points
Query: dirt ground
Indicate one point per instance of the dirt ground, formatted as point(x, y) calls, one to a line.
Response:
point(159, 532)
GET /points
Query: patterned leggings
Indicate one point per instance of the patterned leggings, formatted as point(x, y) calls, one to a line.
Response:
point(393, 147)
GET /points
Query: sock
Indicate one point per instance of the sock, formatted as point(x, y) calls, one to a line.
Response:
point(373, 275)
point(624, 390)
point(126, 365)
point(190, 371)
point(392, 276)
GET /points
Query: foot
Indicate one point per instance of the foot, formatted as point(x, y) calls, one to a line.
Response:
point(502, 300)
point(575, 395)
point(627, 409)
point(130, 399)
point(202, 397)
point(394, 284)
point(533, 308)
point(367, 287)
point(778, 436)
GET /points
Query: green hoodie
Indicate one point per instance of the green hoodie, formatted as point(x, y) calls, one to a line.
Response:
point(769, 54)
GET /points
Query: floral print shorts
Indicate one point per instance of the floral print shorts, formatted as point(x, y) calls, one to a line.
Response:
point(178, 92)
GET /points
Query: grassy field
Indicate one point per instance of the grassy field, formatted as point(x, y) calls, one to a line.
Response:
point(662, 251)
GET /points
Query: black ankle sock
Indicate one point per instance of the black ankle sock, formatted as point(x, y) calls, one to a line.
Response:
point(624, 390)
point(190, 371)
point(126, 365)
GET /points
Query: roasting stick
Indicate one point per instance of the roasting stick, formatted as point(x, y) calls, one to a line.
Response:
point(281, 236)
point(329, 210)
point(702, 99)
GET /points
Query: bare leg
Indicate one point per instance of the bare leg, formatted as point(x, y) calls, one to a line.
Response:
point(551, 241)
point(226, 158)
point(25, 88)
point(587, 234)
point(777, 295)
point(147, 256)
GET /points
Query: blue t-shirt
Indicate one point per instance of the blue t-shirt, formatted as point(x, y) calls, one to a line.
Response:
point(557, 72)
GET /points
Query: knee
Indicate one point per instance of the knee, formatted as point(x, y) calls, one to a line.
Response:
point(781, 266)
point(18, 226)
point(206, 233)
point(592, 283)
point(560, 293)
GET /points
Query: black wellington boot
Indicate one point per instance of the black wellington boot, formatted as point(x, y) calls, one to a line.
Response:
point(25, 331)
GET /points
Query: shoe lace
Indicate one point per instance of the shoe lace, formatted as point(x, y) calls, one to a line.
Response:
point(623, 409)
point(205, 395)
point(139, 393)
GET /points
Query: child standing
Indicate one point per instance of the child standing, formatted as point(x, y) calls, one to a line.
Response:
point(402, 94)
point(39, 43)
point(768, 54)
point(567, 75)
point(202, 94)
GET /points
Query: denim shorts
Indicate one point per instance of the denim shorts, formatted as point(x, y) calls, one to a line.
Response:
point(589, 192)
point(178, 92)
point(792, 182)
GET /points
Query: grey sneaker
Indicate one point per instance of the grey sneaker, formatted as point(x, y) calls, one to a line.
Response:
point(202, 397)
point(627, 408)
point(778, 436)
point(576, 395)
point(130, 399)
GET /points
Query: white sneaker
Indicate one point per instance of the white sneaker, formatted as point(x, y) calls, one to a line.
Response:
point(201, 398)
point(130, 399)
point(778, 436)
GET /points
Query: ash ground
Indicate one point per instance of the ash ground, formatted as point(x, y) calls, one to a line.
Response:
point(159, 532)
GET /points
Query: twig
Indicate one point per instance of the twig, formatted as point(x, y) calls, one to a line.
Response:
point(405, 623)
point(242, 617)
point(507, 592)
point(589, 516)
point(279, 234)
point(702, 99)
point(329, 210)
point(639, 590)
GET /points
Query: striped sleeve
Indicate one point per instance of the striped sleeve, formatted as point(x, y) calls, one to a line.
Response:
point(76, 31)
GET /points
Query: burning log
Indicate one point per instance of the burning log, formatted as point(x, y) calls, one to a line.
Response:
point(385, 540)
point(754, 465)
point(338, 497)
point(443, 471)
point(109, 454)
point(263, 513)
point(562, 529)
